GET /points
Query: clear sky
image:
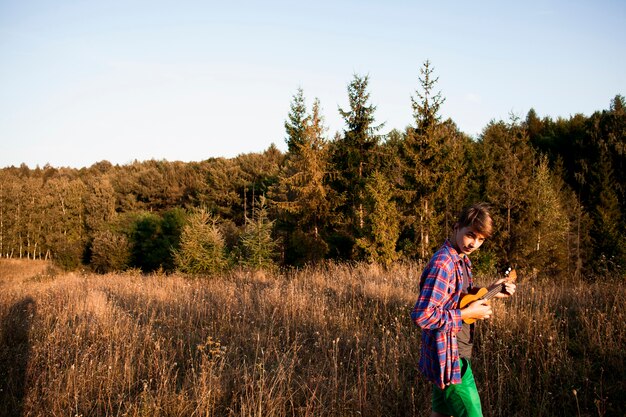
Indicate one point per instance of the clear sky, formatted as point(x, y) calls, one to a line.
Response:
point(85, 81)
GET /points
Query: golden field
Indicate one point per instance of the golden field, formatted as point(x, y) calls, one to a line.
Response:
point(335, 340)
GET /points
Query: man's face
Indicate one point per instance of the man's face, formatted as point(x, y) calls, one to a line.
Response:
point(467, 240)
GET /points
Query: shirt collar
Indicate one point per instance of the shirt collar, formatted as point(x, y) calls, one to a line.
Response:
point(455, 255)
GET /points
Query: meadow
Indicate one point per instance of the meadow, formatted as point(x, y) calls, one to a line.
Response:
point(333, 340)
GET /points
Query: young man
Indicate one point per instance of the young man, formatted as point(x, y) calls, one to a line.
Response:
point(446, 340)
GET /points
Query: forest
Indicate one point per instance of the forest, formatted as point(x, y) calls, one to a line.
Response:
point(557, 189)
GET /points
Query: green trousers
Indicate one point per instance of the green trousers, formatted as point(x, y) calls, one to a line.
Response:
point(459, 400)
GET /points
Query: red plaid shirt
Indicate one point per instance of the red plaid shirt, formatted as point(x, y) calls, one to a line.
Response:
point(436, 312)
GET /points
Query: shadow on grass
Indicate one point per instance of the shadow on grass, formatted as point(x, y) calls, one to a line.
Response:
point(14, 355)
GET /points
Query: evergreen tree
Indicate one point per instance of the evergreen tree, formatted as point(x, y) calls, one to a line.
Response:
point(258, 245)
point(382, 227)
point(300, 194)
point(534, 126)
point(426, 106)
point(297, 122)
point(455, 178)
point(224, 188)
point(614, 130)
point(202, 248)
point(607, 229)
point(507, 167)
point(154, 239)
point(547, 252)
point(433, 167)
point(354, 157)
point(147, 244)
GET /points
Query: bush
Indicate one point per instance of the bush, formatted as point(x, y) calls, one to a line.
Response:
point(110, 252)
point(68, 253)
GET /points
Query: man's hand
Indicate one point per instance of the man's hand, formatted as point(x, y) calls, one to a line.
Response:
point(479, 310)
point(508, 290)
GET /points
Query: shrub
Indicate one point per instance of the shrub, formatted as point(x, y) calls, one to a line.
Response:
point(68, 253)
point(110, 252)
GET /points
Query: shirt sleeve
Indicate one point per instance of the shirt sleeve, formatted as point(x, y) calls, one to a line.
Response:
point(432, 309)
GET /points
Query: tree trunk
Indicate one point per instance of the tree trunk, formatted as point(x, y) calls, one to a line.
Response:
point(1, 220)
point(422, 251)
point(579, 262)
point(427, 234)
point(361, 221)
point(361, 215)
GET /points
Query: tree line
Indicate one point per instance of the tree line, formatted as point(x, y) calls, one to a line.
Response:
point(557, 189)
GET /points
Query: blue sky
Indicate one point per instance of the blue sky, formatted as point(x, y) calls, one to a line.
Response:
point(85, 81)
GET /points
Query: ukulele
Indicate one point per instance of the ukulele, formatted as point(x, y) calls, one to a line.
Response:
point(485, 294)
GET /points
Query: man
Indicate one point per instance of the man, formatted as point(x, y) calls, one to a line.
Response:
point(446, 340)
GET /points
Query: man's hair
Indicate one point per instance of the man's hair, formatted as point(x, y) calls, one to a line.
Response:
point(477, 217)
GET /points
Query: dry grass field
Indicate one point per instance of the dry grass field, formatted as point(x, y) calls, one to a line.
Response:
point(327, 341)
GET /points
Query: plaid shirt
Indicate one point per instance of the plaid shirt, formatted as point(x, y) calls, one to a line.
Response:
point(437, 314)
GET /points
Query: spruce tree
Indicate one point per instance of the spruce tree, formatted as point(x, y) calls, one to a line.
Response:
point(300, 194)
point(507, 166)
point(202, 245)
point(548, 218)
point(614, 130)
point(433, 163)
point(257, 244)
point(354, 157)
point(382, 227)
point(607, 229)
point(296, 124)
point(427, 104)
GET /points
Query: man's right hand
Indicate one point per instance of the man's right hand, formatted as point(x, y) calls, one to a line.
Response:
point(479, 310)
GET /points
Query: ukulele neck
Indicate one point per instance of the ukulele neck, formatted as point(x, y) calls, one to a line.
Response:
point(493, 291)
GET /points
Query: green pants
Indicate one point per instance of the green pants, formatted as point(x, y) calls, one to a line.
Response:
point(459, 400)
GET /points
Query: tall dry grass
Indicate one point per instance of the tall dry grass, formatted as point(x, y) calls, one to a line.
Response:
point(329, 341)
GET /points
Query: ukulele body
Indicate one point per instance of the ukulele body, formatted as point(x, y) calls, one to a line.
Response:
point(482, 293)
point(470, 297)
